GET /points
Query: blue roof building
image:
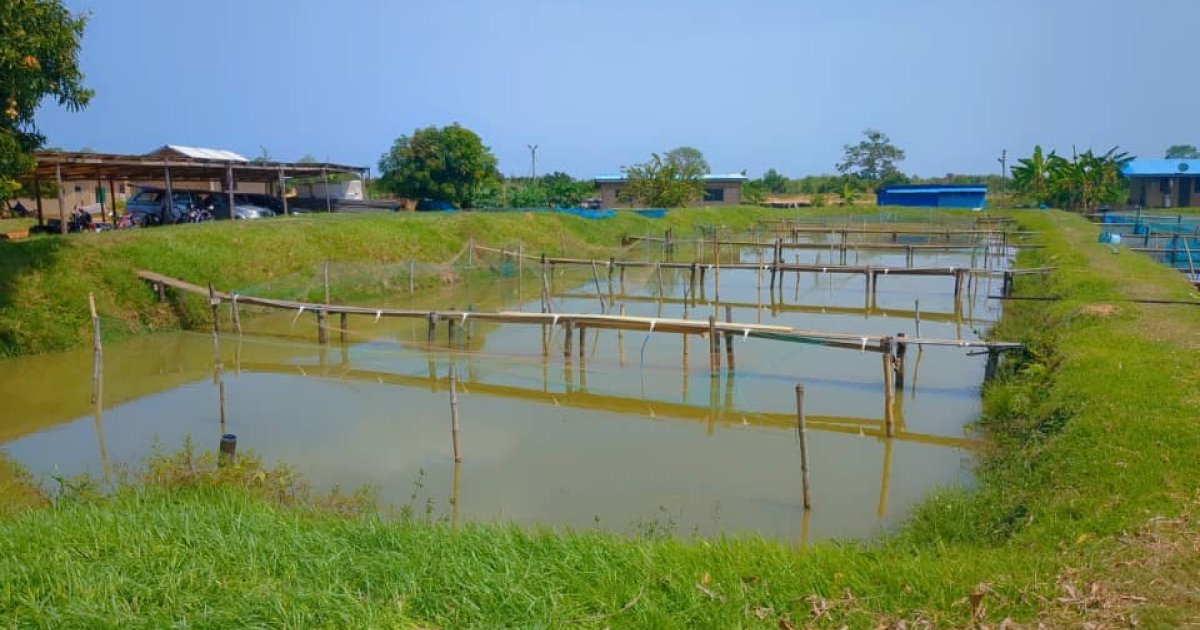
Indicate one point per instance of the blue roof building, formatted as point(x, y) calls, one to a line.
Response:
point(973, 196)
point(1163, 183)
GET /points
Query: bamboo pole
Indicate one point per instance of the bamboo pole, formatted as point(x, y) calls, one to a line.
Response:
point(729, 362)
point(215, 303)
point(547, 307)
point(97, 349)
point(802, 430)
point(454, 414)
point(889, 392)
point(599, 291)
point(714, 346)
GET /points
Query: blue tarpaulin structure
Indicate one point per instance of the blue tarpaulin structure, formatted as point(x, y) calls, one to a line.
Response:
point(972, 196)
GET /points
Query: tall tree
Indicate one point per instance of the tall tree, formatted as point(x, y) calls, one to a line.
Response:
point(450, 163)
point(663, 183)
point(774, 182)
point(1186, 151)
point(1083, 182)
point(873, 159)
point(1031, 176)
point(39, 50)
point(564, 191)
point(689, 157)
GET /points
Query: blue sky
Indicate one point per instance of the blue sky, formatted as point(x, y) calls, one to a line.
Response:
point(601, 84)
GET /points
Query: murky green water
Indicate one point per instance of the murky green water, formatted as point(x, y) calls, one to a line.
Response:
point(632, 436)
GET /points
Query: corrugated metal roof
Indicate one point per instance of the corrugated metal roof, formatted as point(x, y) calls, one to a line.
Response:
point(934, 189)
point(711, 177)
point(202, 153)
point(1161, 167)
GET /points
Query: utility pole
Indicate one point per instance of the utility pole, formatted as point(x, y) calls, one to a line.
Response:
point(532, 160)
point(1003, 170)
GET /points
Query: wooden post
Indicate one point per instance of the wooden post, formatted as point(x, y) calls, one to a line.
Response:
point(325, 184)
point(547, 307)
point(568, 329)
point(229, 177)
point(599, 291)
point(344, 325)
point(612, 264)
point(582, 347)
point(62, 202)
point(37, 191)
point(729, 362)
point(97, 349)
point(451, 329)
point(322, 328)
point(622, 278)
point(901, 353)
point(714, 346)
point(283, 191)
point(717, 269)
point(454, 414)
point(215, 303)
point(692, 283)
point(889, 389)
point(228, 450)
point(431, 335)
point(802, 430)
point(917, 316)
point(235, 313)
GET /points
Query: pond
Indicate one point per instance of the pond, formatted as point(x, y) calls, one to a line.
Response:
point(636, 436)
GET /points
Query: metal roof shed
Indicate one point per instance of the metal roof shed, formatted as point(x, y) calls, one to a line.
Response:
point(973, 196)
point(168, 166)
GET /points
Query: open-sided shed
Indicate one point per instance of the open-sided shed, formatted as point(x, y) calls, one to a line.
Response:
point(169, 167)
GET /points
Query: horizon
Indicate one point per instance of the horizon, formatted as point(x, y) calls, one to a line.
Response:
point(598, 86)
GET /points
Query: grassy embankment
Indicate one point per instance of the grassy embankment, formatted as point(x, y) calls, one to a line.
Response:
point(45, 280)
point(1092, 481)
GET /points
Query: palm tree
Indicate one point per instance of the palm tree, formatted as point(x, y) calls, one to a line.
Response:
point(1030, 176)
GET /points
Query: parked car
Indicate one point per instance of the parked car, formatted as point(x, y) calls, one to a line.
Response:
point(218, 204)
point(270, 202)
point(148, 206)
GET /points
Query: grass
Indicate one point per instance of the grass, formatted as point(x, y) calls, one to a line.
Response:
point(1086, 498)
point(43, 290)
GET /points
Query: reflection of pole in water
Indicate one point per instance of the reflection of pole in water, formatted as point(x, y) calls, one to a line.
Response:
point(455, 494)
point(98, 386)
point(714, 397)
point(454, 413)
point(886, 483)
point(917, 370)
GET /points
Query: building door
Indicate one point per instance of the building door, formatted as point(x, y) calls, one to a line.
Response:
point(1185, 192)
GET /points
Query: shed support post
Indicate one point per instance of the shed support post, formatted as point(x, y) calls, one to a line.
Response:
point(283, 191)
point(62, 202)
point(229, 183)
point(325, 183)
point(37, 189)
point(112, 198)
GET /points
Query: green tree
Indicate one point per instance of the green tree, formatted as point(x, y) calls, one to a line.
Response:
point(774, 182)
point(1186, 151)
point(39, 50)
point(1082, 183)
point(565, 191)
point(690, 157)
point(527, 194)
point(1031, 176)
point(450, 163)
point(663, 183)
point(873, 159)
point(754, 191)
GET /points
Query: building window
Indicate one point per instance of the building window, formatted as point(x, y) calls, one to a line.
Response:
point(714, 194)
point(1164, 185)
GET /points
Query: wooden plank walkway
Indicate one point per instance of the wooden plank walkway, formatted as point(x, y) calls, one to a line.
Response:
point(863, 342)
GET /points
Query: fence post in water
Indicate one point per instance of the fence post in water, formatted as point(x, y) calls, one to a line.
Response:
point(714, 346)
point(546, 307)
point(802, 430)
point(216, 324)
point(322, 328)
point(612, 263)
point(451, 329)
point(582, 347)
point(729, 362)
point(344, 326)
point(917, 316)
point(97, 349)
point(454, 414)
point(568, 329)
point(326, 275)
point(599, 291)
point(431, 337)
point(692, 283)
point(228, 450)
point(889, 388)
point(901, 352)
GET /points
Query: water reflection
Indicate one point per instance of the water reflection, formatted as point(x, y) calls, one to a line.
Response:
point(622, 434)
